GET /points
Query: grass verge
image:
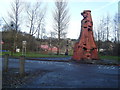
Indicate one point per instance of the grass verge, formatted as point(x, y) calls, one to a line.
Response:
point(33, 55)
point(37, 55)
point(110, 57)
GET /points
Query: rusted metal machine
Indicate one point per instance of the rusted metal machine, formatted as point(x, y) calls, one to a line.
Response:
point(85, 48)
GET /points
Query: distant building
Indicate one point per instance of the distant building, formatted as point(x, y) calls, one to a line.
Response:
point(1, 42)
point(48, 48)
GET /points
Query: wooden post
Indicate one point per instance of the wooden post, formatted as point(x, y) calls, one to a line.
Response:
point(6, 62)
point(22, 65)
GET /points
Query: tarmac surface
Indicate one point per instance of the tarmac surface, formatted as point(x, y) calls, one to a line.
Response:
point(68, 74)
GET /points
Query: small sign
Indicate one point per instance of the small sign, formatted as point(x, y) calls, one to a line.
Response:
point(24, 42)
point(24, 47)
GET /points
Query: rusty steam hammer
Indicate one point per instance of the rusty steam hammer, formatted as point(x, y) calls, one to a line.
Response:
point(86, 47)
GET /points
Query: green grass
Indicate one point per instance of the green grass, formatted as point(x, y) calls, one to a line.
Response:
point(31, 54)
point(110, 57)
point(43, 55)
point(3, 53)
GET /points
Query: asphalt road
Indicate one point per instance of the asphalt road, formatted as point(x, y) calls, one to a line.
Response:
point(70, 75)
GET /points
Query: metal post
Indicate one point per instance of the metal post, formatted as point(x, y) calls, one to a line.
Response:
point(6, 62)
point(22, 65)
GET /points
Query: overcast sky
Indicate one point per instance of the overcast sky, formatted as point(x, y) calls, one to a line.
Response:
point(99, 8)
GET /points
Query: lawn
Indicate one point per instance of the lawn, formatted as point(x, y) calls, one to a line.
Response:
point(31, 54)
point(110, 57)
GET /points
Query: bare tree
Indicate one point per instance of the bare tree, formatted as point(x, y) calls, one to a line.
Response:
point(35, 13)
point(99, 34)
point(61, 20)
point(116, 28)
point(1, 24)
point(41, 32)
point(107, 24)
point(16, 8)
point(35, 16)
point(102, 29)
point(103, 32)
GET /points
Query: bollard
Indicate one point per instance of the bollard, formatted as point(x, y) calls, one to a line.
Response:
point(6, 62)
point(22, 66)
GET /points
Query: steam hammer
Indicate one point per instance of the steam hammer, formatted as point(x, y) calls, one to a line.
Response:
point(85, 48)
